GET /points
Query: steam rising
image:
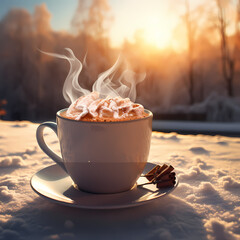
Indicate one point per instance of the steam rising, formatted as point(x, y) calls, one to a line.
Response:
point(124, 87)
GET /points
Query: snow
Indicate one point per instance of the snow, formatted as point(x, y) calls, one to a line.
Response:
point(216, 107)
point(15, 161)
point(205, 205)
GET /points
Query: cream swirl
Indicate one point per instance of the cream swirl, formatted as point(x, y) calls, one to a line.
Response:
point(93, 106)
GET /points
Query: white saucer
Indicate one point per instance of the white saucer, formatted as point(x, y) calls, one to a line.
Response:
point(54, 184)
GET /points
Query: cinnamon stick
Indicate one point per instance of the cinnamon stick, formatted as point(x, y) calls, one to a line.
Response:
point(164, 166)
point(162, 176)
point(151, 174)
point(165, 171)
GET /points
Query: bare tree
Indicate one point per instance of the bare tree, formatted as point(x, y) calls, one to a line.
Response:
point(41, 22)
point(94, 20)
point(190, 38)
point(227, 57)
point(237, 19)
point(237, 31)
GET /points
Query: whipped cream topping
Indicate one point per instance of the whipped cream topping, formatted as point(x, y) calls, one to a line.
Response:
point(93, 106)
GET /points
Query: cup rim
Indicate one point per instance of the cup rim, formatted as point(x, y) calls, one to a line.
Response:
point(150, 115)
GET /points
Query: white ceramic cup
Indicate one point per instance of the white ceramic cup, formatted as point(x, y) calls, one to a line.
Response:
point(101, 157)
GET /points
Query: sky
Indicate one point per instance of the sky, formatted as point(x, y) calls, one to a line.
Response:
point(148, 16)
point(61, 13)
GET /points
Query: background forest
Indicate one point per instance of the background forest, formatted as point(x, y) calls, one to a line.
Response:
point(198, 81)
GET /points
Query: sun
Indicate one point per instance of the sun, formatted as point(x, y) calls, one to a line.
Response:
point(157, 33)
point(159, 39)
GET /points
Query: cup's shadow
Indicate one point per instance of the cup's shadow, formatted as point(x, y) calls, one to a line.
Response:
point(167, 217)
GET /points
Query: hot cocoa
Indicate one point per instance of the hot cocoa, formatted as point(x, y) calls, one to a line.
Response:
point(93, 108)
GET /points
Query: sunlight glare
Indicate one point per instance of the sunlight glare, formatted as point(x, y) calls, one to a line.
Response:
point(158, 33)
point(159, 39)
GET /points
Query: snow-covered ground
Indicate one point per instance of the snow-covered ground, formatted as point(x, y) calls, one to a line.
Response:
point(205, 205)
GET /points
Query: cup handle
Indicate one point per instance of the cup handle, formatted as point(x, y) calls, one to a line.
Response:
point(42, 144)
